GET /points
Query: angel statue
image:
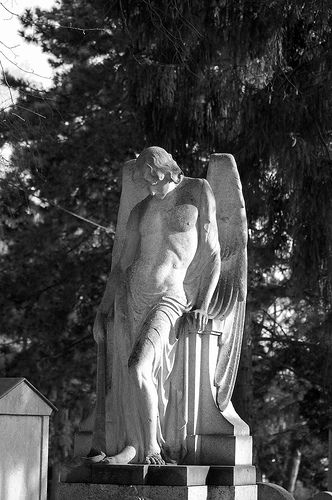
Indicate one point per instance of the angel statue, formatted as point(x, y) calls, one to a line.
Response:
point(179, 265)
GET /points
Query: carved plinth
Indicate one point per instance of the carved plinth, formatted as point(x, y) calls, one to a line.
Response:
point(194, 482)
point(166, 475)
point(214, 437)
point(81, 491)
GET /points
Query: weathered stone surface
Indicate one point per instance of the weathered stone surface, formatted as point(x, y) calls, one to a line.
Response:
point(178, 475)
point(232, 492)
point(167, 475)
point(268, 491)
point(215, 449)
point(80, 491)
point(232, 475)
point(24, 418)
point(19, 397)
point(77, 491)
point(119, 474)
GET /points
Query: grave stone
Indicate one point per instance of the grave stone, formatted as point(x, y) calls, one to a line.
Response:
point(24, 421)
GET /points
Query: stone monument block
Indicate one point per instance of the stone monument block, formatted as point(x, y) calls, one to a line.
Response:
point(24, 420)
point(169, 332)
point(164, 475)
point(80, 491)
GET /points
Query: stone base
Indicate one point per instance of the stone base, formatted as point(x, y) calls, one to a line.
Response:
point(81, 491)
point(205, 449)
point(220, 449)
point(165, 475)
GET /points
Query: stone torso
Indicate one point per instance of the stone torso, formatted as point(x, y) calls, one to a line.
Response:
point(168, 239)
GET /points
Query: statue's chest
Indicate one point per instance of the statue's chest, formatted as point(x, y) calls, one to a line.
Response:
point(180, 217)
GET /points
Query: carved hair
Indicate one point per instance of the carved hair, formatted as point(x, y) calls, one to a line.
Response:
point(160, 162)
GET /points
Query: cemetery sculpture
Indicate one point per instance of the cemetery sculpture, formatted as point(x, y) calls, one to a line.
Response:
point(179, 261)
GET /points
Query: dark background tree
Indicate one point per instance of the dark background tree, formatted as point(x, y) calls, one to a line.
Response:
point(250, 78)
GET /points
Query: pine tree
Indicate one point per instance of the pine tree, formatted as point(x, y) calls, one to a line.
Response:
point(250, 78)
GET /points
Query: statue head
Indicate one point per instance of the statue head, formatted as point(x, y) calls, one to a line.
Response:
point(156, 166)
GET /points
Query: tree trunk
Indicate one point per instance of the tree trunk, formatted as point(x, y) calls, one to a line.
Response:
point(53, 484)
point(295, 462)
point(329, 473)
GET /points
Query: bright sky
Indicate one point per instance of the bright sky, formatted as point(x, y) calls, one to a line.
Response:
point(18, 58)
point(15, 53)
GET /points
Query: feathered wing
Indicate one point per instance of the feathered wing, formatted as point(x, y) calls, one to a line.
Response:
point(228, 304)
point(131, 194)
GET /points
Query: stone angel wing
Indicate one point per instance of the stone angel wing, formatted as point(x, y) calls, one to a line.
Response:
point(228, 305)
point(131, 194)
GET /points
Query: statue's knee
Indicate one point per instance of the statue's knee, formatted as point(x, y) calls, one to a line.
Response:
point(137, 371)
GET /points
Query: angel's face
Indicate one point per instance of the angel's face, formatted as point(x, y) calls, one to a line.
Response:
point(159, 185)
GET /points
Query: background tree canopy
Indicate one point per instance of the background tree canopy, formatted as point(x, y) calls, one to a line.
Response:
point(247, 77)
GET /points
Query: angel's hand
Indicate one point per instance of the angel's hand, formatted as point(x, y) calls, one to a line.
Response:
point(99, 327)
point(199, 319)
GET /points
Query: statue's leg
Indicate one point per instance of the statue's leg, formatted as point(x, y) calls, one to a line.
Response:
point(146, 355)
point(140, 366)
point(140, 369)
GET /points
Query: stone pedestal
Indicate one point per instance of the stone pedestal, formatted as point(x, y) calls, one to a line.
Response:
point(218, 463)
point(213, 437)
point(163, 475)
point(81, 491)
point(158, 482)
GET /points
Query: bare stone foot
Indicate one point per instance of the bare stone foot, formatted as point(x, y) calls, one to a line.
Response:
point(95, 456)
point(154, 459)
point(124, 457)
point(110, 461)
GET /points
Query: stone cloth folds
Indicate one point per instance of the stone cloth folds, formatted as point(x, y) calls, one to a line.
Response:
point(141, 316)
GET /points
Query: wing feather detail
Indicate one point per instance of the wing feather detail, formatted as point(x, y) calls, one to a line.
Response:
point(131, 194)
point(228, 303)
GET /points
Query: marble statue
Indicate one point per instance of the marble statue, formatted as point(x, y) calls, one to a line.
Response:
point(179, 262)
